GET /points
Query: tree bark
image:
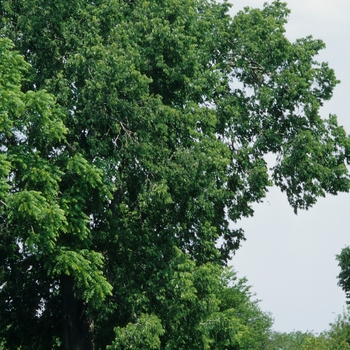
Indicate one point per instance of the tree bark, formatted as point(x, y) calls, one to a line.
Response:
point(77, 330)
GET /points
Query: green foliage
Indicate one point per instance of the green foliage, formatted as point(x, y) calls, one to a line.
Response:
point(235, 297)
point(143, 335)
point(132, 138)
point(198, 307)
point(344, 275)
point(85, 267)
point(190, 307)
point(297, 341)
point(37, 212)
point(337, 337)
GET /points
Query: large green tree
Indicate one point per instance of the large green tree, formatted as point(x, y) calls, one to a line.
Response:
point(121, 188)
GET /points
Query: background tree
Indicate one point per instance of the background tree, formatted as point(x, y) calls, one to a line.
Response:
point(337, 337)
point(236, 297)
point(298, 340)
point(344, 275)
point(167, 110)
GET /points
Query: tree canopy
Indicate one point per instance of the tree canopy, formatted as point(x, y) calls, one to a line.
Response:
point(336, 337)
point(133, 133)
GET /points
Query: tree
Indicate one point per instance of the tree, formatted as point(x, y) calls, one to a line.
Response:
point(164, 112)
point(303, 341)
point(337, 337)
point(255, 325)
point(36, 215)
point(292, 341)
point(209, 308)
point(344, 275)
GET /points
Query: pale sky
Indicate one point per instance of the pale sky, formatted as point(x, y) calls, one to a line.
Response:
point(290, 260)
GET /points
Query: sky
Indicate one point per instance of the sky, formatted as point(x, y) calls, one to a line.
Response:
point(289, 260)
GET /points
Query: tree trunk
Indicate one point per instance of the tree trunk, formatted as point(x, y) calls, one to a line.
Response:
point(77, 330)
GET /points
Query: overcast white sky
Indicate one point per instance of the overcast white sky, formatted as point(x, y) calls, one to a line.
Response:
point(290, 260)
